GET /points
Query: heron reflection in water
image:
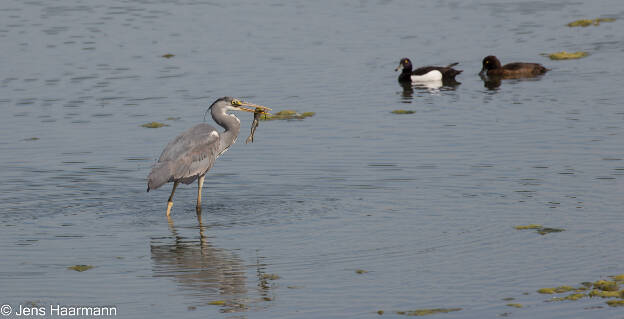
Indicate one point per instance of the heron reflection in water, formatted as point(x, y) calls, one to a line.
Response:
point(191, 154)
point(207, 275)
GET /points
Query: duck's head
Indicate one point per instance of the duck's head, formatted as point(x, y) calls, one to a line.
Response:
point(404, 64)
point(490, 62)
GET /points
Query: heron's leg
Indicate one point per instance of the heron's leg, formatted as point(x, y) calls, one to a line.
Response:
point(200, 184)
point(170, 201)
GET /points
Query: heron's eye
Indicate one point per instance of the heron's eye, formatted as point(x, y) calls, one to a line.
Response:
point(236, 102)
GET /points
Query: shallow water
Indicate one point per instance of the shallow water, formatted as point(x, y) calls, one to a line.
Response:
point(424, 202)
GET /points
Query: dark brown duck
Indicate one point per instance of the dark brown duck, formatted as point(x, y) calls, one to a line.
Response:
point(492, 67)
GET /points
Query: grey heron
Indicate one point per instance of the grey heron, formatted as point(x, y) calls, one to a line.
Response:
point(191, 154)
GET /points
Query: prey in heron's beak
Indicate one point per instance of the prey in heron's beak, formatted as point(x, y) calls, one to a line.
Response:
point(256, 122)
point(247, 107)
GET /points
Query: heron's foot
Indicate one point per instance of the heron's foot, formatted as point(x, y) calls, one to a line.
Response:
point(169, 204)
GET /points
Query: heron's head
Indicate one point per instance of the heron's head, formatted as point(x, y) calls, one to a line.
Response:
point(490, 62)
point(232, 104)
point(405, 63)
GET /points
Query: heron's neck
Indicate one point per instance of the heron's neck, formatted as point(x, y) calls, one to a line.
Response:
point(230, 123)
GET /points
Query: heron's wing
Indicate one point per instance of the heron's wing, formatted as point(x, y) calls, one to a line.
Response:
point(198, 135)
point(189, 155)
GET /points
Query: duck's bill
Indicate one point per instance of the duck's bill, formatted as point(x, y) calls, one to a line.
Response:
point(250, 107)
point(398, 67)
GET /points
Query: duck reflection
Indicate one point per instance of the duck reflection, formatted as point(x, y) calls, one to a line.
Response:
point(206, 274)
point(429, 87)
point(491, 82)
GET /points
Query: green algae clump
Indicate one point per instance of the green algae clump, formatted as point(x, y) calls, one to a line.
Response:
point(360, 271)
point(605, 285)
point(606, 294)
point(563, 55)
point(530, 226)
point(426, 312)
point(546, 290)
point(516, 305)
point(168, 56)
point(217, 303)
point(80, 268)
point(618, 277)
point(561, 289)
point(616, 303)
point(380, 312)
point(287, 115)
point(154, 125)
point(570, 297)
point(539, 229)
point(588, 22)
point(548, 230)
point(403, 112)
point(556, 290)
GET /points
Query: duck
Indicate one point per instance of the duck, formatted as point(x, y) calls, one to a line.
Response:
point(492, 67)
point(426, 73)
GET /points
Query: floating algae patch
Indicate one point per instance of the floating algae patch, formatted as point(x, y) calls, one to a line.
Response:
point(515, 305)
point(168, 56)
point(154, 125)
point(426, 312)
point(171, 118)
point(618, 277)
point(360, 271)
point(31, 139)
point(539, 229)
point(588, 22)
point(606, 285)
point(561, 289)
point(403, 112)
point(556, 290)
point(380, 312)
point(217, 303)
point(606, 294)
point(286, 115)
point(546, 290)
point(548, 230)
point(531, 226)
point(616, 303)
point(570, 297)
point(599, 289)
point(563, 55)
point(508, 299)
point(80, 268)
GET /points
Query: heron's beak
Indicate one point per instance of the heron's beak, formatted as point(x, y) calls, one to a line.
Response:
point(399, 67)
point(256, 108)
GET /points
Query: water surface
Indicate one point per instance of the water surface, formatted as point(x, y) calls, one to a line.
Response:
point(425, 203)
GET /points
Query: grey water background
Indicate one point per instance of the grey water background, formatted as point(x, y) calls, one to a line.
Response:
point(425, 202)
